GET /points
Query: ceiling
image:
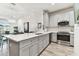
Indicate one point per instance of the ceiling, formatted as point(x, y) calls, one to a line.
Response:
point(47, 6)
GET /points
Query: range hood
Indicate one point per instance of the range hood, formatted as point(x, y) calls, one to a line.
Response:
point(63, 23)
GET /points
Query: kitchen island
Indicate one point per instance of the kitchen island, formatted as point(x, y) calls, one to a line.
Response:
point(32, 44)
point(27, 44)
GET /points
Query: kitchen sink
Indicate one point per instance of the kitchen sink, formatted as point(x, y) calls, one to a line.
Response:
point(38, 33)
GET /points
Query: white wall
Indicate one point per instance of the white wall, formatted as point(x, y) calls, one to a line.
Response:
point(18, 12)
point(76, 40)
point(76, 33)
point(34, 16)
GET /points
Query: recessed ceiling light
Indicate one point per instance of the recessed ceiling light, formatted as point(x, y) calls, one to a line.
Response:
point(52, 3)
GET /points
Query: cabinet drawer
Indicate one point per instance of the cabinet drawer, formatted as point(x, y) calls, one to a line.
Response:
point(25, 51)
point(42, 37)
point(25, 42)
point(28, 41)
point(35, 39)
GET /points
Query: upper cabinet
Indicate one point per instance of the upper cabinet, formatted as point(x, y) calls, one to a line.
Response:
point(53, 20)
point(62, 16)
point(45, 18)
point(71, 19)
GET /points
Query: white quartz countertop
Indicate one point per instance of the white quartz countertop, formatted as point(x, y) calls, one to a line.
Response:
point(20, 37)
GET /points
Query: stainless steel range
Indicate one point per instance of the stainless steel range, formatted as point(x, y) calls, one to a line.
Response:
point(63, 36)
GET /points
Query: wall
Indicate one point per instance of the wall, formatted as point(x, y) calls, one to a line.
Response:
point(76, 40)
point(34, 16)
point(76, 33)
point(17, 15)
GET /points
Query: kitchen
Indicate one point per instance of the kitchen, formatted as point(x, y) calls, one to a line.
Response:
point(48, 27)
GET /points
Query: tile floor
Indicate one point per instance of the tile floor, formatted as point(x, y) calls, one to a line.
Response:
point(57, 50)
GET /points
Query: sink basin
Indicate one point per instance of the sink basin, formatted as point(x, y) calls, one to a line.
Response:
point(38, 33)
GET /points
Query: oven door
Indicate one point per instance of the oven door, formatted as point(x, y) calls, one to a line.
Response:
point(63, 36)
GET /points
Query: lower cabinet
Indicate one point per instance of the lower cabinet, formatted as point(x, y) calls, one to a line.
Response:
point(34, 49)
point(25, 51)
point(29, 47)
point(54, 37)
point(43, 42)
point(46, 40)
point(72, 39)
point(29, 50)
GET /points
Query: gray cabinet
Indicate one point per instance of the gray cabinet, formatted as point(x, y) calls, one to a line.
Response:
point(53, 20)
point(46, 40)
point(34, 49)
point(43, 42)
point(25, 47)
point(54, 37)
point(45, 19)
point(71, 18)
point(25, 43)
point(62, 16)
point(72, 39)
point(25, 51)
point(40, 46)
point(29, 47)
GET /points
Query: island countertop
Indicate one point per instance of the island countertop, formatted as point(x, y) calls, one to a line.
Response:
point(20, 37)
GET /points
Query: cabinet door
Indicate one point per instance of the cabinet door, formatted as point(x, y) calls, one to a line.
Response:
point(41, 43)
point(46, 40)
point(53, 20)
point(46, 19)
point(34, 49)
point(25, 42)
point(71, 17)
point(25, 51)
point(66, 16)
point(72, 39)
point(54, 37)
